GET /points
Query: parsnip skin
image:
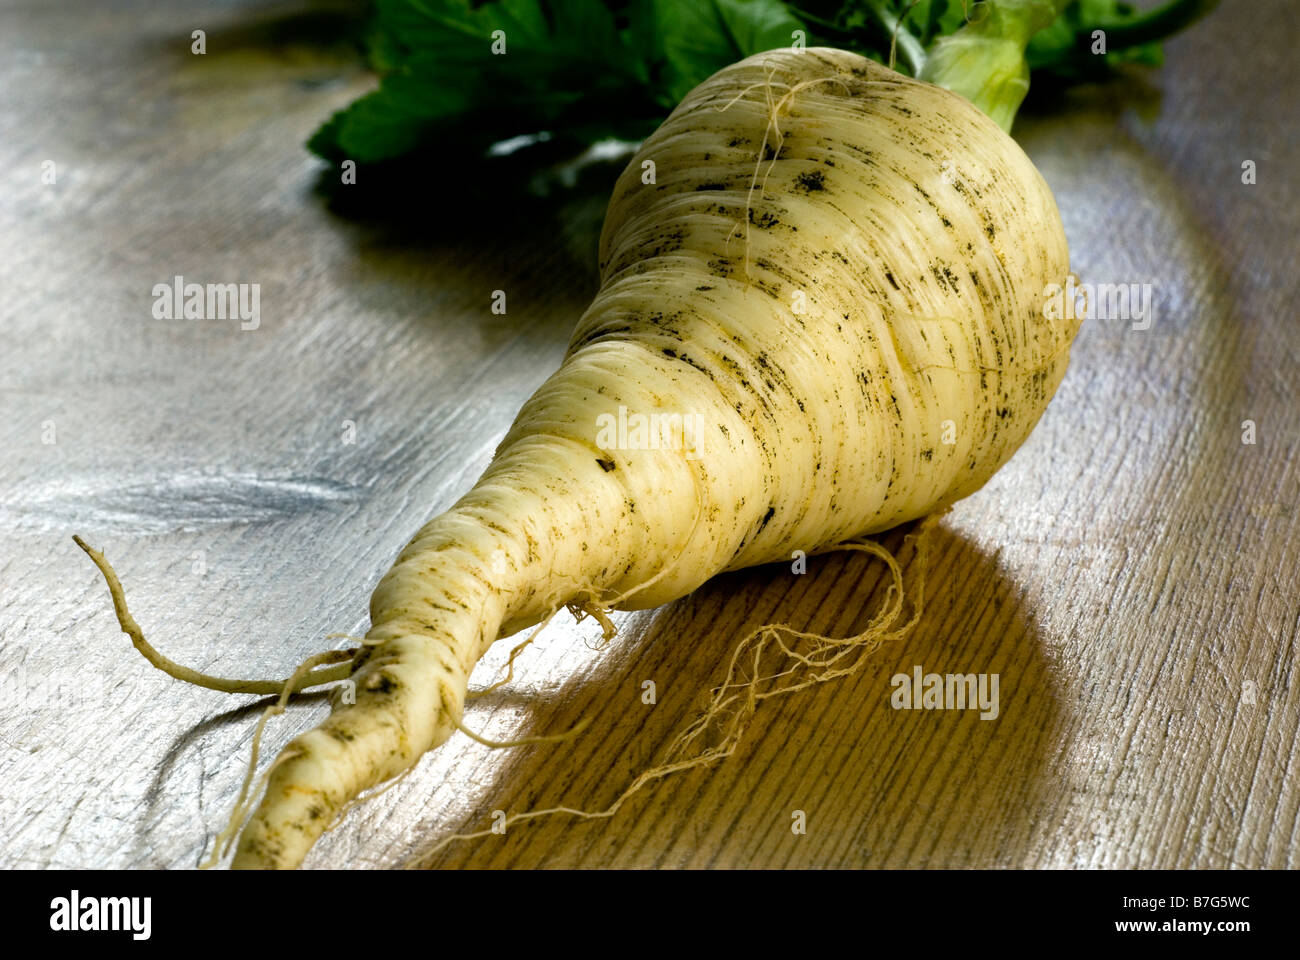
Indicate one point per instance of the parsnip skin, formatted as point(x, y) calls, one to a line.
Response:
point(921, 238)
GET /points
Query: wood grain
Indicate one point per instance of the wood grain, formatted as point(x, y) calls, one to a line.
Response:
point(1132, 575)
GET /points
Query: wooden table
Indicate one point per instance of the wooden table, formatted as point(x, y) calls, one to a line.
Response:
point(1132, 575)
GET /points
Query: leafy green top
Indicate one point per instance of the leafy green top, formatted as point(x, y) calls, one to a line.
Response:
point(581, 71)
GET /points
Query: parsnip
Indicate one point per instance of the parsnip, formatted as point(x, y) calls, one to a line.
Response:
point(838, 272)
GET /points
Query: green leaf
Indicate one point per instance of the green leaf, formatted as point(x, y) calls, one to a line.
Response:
point(643, 36)
point(565, 63)
point(758, 25)
point(388, 122)
point(701, 37)
point(929, 19)
point(1062, 51)
point(1050, 45)
point(694, 38)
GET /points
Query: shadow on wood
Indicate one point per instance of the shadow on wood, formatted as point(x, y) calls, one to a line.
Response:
point(877, 787)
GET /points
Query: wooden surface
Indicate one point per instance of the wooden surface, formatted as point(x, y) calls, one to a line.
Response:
point(1132, 575)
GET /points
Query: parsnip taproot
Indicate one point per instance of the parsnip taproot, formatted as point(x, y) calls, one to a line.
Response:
point(839, 272)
